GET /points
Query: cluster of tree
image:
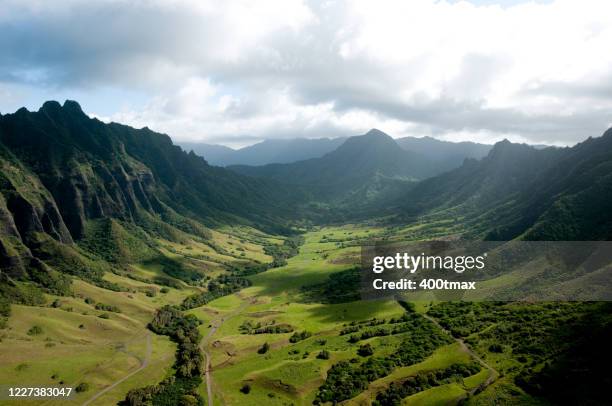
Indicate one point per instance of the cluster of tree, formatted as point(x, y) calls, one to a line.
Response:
point(5, 311)
point(365, 350)
point(107, 308)
point(171, 391)
point(346, 380)
point(340, 287)
point(407, 322)
point(177, 269)
point(561, 347)
point(397, 391)
point(579, 375)
point(281, 253)
point(355, 326)
point(166, 281)
point(221, 286)
point(299, 336)
point(182, 387)
point(465, 318)
point(248, 327)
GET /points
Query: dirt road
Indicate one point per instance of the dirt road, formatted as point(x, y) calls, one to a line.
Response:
point(143, 364)
point(493, 374)
point(215, 325)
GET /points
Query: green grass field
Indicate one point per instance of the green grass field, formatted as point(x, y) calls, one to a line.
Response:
point(291, 373)
point(76, 345)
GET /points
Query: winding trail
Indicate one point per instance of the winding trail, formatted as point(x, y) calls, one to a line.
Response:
point(215, 325)
point(143, 364)
point(493, 374)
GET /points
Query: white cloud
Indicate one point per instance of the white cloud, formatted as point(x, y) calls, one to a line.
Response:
point(236, 71)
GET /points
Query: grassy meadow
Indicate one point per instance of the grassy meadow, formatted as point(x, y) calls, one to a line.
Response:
point(280, 341)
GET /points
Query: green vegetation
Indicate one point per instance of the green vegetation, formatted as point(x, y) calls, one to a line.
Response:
point(248, 327)
point(345, 380)
point(183, 329)
point(108, 308)
point(299, 336)
point(423, 381)
point(264, 348)
point(340, 287)
point(35, 330)
point(532, 343)
point(323, 354)
point(107, 231)
point(82, 387)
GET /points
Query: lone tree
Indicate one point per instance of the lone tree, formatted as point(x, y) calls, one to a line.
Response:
point(324, 354)
point(365, 350)
point(264, 348)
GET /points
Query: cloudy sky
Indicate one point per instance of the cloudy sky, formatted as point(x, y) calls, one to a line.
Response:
point(234, 72)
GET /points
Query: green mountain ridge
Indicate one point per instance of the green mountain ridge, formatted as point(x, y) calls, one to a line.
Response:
point(74, 190)
point(352, 165)
point(520, 191)
point(105, 228)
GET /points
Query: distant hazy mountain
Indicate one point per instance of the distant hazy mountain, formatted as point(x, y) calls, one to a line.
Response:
point(448, 154)
point(352, 165)
point(265, 152)
point(214, 154)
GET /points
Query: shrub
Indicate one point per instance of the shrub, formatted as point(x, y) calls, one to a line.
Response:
point(107, 308)
point(35, 330)
point(299, 336)
point(496, 348)
point(365, 350)
point(264, 348)
point(323, 354)
point(82, 387)
point(246, 389)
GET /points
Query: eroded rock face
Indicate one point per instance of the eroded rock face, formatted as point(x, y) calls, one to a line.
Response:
point(61, 172)
point(11, 264)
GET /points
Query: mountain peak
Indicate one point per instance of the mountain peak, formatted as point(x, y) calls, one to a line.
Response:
point(505, 150)
point(376, 132)
point(54, 107)
point(372, 139)
point(73, 106)
point(50, 105)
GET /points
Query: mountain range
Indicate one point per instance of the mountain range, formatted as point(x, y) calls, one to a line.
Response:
point(445, 153)
point(519, 191)
point(265, 152)
point(63, 174)
point(100, 218)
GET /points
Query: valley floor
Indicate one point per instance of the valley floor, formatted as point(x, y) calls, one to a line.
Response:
point(273, 342)
point(291, 373)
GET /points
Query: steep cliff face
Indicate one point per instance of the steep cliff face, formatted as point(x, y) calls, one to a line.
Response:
point(61, 172)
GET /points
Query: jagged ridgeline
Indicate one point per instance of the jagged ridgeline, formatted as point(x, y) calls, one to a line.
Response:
point(518, 191)
point(77, 194)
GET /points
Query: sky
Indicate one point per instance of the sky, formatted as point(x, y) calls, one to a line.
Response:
point(236, 72)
